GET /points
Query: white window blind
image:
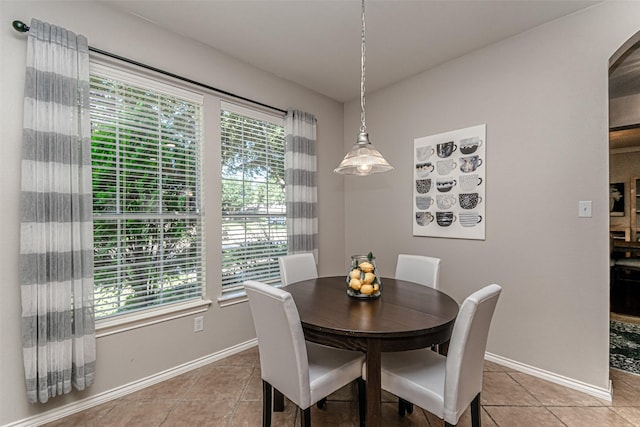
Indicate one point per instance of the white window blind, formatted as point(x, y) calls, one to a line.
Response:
point(254, 230)
point(147, 196)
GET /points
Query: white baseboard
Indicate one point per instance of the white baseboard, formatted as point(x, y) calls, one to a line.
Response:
point(104, 397)
point(598, 392)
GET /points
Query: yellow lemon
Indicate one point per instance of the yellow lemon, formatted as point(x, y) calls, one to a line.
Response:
point(368, 278)
point(355, 284)
point(355, 274)
point(366, 289)
point(376, 287)
point(367, 267)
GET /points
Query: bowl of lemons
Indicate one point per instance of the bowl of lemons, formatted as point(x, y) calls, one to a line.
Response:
point(363, 280)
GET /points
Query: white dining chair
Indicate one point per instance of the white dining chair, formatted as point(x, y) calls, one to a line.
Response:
point(420, 269)
point(446, 385)
point(302, 371)
point(297, 267)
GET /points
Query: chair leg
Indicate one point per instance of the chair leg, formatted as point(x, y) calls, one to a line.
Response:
point(278, 401)
point(404, 406)
point(362, 402)
point(305, 417)
point(267, 391)
point(475, 411)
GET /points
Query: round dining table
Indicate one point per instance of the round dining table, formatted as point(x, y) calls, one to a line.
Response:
point(406, 316)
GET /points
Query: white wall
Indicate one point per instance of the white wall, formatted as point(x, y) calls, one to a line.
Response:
point(130, 356)
point(543, 96)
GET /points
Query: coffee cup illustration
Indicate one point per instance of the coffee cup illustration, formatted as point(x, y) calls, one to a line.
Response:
point(445, 149)
point(469, 200)
point(423, 185)
point(424, 202)
point(445, 201)
point(445, 166)
point(470, 182)
point(470, 163)
point(424, 218)
point(445, 219)
point(445, 185)
point(424, 169)
point(470, 145)
point(469, 219)
point(423, 153)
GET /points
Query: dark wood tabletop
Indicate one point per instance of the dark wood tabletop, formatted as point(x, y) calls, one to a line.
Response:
point(407, 316)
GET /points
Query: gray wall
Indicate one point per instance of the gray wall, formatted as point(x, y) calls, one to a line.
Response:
point(544, 98)
point(130, 356)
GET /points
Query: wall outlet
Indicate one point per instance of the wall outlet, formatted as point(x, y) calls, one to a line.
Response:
point(198, 324)
point(584, 208)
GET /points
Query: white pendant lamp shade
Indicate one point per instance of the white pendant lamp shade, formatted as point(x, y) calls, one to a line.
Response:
point(363, 158)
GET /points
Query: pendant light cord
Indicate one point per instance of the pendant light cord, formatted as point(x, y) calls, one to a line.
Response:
point(363, 126)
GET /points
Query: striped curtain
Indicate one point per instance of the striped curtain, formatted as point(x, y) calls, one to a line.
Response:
point(56, 235)
point(300, 182)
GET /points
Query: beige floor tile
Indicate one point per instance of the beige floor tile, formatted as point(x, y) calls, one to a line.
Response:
point(347, 393)
point(522, 416)
point(220, 383)
point(625, 392)
point(200, 413)
point(228, 393)
point(500, 389)
point(390, 417)
point(336, 413)
point(250, 357)
point(631, 414)
point(589, 416)
point(493, 367)
point(628, 378)
point(253, 390)
point(139, 413)
point(171, 389)
point(486, 421)
point(249, 414)
point(550, 394)
point(87, 418)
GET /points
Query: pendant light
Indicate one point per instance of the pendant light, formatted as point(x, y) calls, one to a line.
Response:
point(363, 158)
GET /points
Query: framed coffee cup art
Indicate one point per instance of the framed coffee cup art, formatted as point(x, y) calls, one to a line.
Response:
point(451, 202)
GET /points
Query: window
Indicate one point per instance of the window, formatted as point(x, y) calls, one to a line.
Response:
point(254, 229)
point(147, 195)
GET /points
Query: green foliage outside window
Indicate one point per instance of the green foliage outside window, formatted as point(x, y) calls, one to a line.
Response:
point(146, 198)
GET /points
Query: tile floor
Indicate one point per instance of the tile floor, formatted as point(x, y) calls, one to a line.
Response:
point(228, 393)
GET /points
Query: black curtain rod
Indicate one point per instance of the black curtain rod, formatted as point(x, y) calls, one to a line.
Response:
point(24, 28)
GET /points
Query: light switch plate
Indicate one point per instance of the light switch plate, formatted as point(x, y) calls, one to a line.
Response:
point(584, 208)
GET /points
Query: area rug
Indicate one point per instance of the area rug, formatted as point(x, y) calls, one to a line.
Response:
point(624, 346)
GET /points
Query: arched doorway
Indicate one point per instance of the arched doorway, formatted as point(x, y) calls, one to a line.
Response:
point(624, 179)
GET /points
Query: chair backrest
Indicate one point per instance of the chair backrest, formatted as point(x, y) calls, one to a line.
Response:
point(420, 269)
point(297, 267)
point(465, 357)
point(283, 354)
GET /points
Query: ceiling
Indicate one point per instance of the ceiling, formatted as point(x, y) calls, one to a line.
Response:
point(316, 43)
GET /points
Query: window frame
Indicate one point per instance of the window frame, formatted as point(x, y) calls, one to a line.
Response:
point(233, 294)
point(159, 313)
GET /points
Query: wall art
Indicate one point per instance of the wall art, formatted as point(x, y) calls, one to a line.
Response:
point(449, 181)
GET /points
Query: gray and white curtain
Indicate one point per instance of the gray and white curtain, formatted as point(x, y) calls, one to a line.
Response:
point(300, 182)
point(56, 235)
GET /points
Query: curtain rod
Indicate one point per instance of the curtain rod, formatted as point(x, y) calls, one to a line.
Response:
point(24, 28)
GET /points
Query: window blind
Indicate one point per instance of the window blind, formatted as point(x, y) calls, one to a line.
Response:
point(254, 230)
point(147, 192)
